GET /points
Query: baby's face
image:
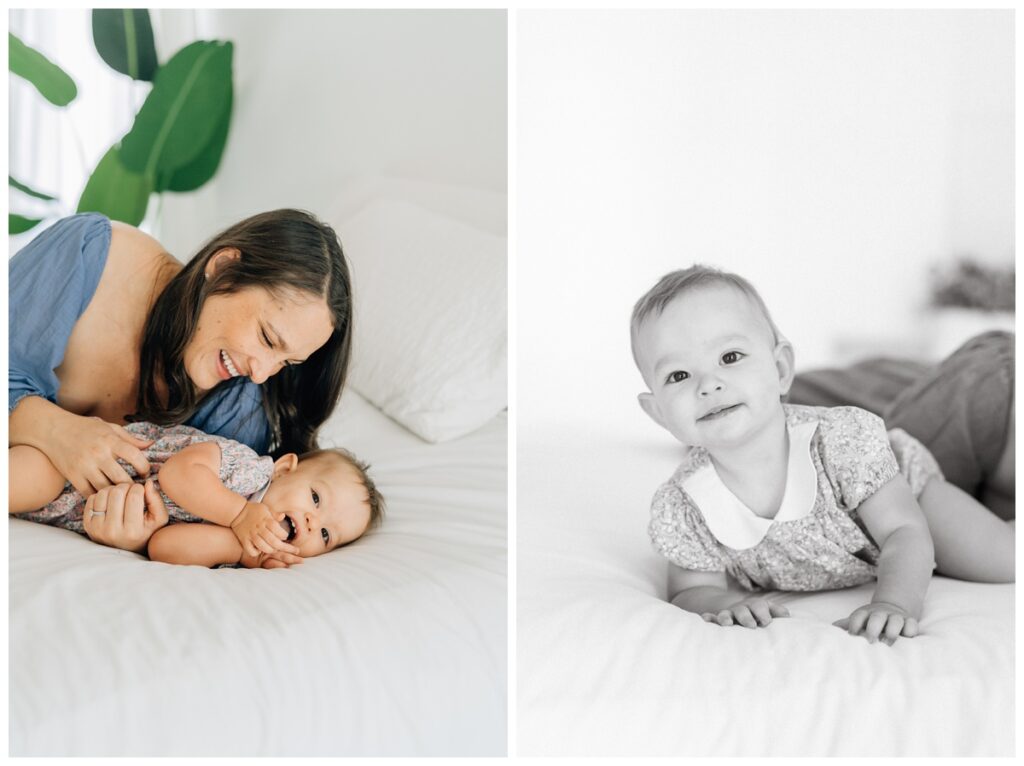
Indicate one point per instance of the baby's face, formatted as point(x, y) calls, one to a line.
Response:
point(324, 501)
point(715, 377)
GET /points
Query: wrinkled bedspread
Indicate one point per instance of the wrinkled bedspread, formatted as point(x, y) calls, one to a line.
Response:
point(395, 645)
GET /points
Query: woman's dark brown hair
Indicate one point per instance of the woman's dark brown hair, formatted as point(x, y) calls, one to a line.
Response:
point(282, 250)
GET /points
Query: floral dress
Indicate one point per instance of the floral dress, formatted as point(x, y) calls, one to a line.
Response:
point(241, 471)
point(838, 457)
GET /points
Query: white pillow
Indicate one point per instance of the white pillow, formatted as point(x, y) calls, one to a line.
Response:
point(484, 209)
point(429, 301)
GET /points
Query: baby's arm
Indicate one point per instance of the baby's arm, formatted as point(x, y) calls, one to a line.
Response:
point(905, 563)
point(202, 544)
point(191, 479)
point(709, 594)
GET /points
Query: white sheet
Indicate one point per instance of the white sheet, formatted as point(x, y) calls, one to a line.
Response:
point(606, 666)
point(395, 645)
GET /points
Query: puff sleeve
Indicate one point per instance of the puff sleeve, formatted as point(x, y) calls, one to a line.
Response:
point(677, 533)
point(241, 469)
point(51, 281)
point(855, 454)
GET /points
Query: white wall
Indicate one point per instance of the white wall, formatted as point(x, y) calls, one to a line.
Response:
point(829, 156)
point(324, 99)
point(327, 98)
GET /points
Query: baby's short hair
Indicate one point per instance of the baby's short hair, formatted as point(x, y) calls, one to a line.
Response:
point(675, 283)
point(374, 498)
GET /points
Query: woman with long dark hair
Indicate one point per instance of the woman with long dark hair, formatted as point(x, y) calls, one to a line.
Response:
point(249, 340)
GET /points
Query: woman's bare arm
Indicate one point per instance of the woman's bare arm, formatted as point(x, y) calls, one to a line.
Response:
point(83, 449)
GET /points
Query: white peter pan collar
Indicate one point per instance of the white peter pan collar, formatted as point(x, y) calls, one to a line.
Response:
point(732, 522)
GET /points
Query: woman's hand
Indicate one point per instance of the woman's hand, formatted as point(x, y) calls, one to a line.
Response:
point(259, 530)
point(752, 612)
point(87, 450)
point(125, 516)
point(880, 621)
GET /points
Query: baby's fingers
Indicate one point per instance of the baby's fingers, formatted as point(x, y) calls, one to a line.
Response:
point(280, 546)
point(744, 616)
point(723, 618)
point(874, 626)
point(893, 628)
point(262, 540)
point(778, 610)
point(287, 558)
point(910, 628)
point(857, 621)
point(761, 612)
point(249, 548)
point(276, 527)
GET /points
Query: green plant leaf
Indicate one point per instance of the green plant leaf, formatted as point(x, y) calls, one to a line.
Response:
point(53, 82)
point(17, 224)
point(124, 39)
point(115, 191)
point(203, 167)
point(11, 181)
point(182, 112)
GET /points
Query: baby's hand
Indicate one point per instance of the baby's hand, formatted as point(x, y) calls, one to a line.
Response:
point(752, 612)
point(268, 561)
point(259, 531)
point(271, 562)
point(880, 621)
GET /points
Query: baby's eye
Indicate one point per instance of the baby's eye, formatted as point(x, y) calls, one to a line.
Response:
point(678, 376)
point(316, 498)
point(731, 357)
point(326, 536)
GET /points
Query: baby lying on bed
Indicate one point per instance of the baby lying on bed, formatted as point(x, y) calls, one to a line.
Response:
point(262, 512)
point(789, 497)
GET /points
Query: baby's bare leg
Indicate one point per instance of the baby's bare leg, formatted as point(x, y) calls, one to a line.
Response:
point(971, 543)
point(34, 481)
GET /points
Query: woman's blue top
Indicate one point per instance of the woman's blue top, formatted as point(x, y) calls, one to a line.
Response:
point(52, 280)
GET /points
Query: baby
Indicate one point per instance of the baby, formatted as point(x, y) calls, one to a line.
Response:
point(786, 497)
point(262, 512)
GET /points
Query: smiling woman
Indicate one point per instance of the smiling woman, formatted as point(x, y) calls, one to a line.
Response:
point(250, 340)
point(245, 333)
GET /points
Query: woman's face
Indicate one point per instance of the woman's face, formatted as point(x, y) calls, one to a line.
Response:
point(255, 333)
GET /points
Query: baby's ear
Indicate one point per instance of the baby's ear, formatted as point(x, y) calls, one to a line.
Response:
point(285, 464)
point(784, 363)
point(650, 406)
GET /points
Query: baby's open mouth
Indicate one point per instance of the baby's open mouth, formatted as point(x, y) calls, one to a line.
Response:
point(289, 526)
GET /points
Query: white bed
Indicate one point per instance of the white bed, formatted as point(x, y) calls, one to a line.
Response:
point(606, 667)
point(393, 646)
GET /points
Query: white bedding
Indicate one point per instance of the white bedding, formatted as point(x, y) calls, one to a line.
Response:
point(606, 666)
point(395, 645)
